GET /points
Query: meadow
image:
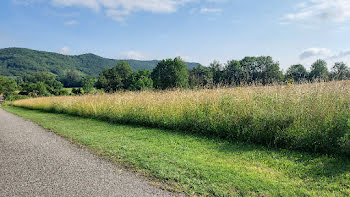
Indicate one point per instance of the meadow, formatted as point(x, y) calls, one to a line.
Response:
point(201, 166)
point(308, 117)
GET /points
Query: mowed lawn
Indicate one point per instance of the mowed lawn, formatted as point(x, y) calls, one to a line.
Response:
point(200, 165)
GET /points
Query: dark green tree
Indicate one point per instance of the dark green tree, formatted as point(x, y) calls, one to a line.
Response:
point(218, 74)
point(200, 76)
point(249, 65)
point(88, 84)
point(41, 84)
point(170, 74)
point(260, 70)
point(141, 80)
point(269, 70)
point(319, 71)
point(340, 71)
point(235, 74)
point(7, 86)
point(72, 78)
point(116, 78)
point(297, 72)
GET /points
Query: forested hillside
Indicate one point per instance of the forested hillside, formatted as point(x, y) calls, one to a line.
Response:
point(20, 61)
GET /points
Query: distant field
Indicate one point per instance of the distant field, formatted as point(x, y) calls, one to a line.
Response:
point(311, 117)
point(202, 166)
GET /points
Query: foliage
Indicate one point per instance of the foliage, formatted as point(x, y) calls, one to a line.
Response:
point(308, 117)
point(140, 80)
point(72, 78)
point(77, 91)
point(319, 71)
point(201, 166)
point(200, 76)
point(7, 86)
point(340, 71)
point(217, 71)
point(41, 84)
point(297, 72)
point(235, 74)
point(170, 74)
point(116, 78)
point(261, 70)
point(88, 84)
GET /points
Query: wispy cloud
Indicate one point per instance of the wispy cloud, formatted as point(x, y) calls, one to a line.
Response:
point(321, 10)
point(324, 53)
point(135, 55)
point(211, 10)
point(64, 50)
point(71, 22)
point(315, 52)
point(342, 54)
point(310, 55)
point(118, 10)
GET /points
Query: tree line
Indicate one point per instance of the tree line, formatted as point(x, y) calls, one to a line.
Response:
point(171, 74)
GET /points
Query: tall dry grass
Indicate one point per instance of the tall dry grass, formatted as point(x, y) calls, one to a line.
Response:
point(310, 117)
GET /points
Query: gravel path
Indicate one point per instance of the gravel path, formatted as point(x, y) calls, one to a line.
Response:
point(35, 162)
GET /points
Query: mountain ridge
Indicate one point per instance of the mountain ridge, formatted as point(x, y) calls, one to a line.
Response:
point(17, 62)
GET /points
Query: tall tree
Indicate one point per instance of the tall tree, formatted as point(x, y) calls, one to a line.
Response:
point(88, 84)
point(115, 78)
point(260, 70)
point(200, 76)
point(170, 74)
point(7, 86)
point(235, 74)
point(249, 64)
point(297, 72)
point(140, 80)
point(72, 78)
point(42, 84)
point(340, 71)
point(218, 74)
point(319, 71)
point(269, 70)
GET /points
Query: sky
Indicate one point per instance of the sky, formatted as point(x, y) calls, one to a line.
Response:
point(291, 31)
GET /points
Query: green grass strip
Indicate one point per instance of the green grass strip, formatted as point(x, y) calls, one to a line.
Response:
point(203, 166)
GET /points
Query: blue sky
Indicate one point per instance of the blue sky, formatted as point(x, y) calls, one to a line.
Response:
point(291, 31)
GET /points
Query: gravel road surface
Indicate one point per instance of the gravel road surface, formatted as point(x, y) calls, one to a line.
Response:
point(36, 162)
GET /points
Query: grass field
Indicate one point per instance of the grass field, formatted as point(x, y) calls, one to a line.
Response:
point(311, 117)
point(200, 165)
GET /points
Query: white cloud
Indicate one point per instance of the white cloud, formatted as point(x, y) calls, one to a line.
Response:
point(323, 53)
point(135, 55)
point(342, 54)
point(321, 10)
point(93, 4)
point(211, 10)
point(65, 50)
point(26, 2)
point(71, 22)
point(309, 56)
point(315, 52)
point(119, 9)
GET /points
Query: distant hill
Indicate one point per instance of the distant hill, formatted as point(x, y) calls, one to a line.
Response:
point(20, 61)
